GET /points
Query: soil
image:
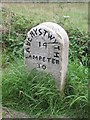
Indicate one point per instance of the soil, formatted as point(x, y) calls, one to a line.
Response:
point(9, 113)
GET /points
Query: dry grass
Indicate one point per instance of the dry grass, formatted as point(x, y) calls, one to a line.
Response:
point(54, 12)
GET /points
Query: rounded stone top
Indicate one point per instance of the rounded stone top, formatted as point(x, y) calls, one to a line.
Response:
point(58, 29)
point(54, 29)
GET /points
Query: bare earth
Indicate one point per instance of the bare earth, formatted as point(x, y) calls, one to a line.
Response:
point(8, 113)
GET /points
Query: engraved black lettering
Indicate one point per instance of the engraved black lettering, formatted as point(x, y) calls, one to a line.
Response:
point(28, 50)
point(57, 47)
point(40, 57)
point(28, 43)
point(56, 54)
point(45, 44)
point(44, 67)
point(43, 59)
point(53, 61)
point(45, 31)
point(57, 61)
point(50, 36)
point(35, 31)
point(29, 56)
point(35, 57)
point(32, 34)
point(39, 44)
point(38, 65)
point(40, 31)
point(55, 42)
point(30, 39)
point(48, 59)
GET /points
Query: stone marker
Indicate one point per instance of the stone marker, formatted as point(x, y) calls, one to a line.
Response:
point(46, 49)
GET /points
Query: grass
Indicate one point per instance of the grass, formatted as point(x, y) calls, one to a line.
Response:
point(55, 12)
point(36, 94)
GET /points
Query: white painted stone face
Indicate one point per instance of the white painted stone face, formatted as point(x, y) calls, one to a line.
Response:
point(46, 49)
